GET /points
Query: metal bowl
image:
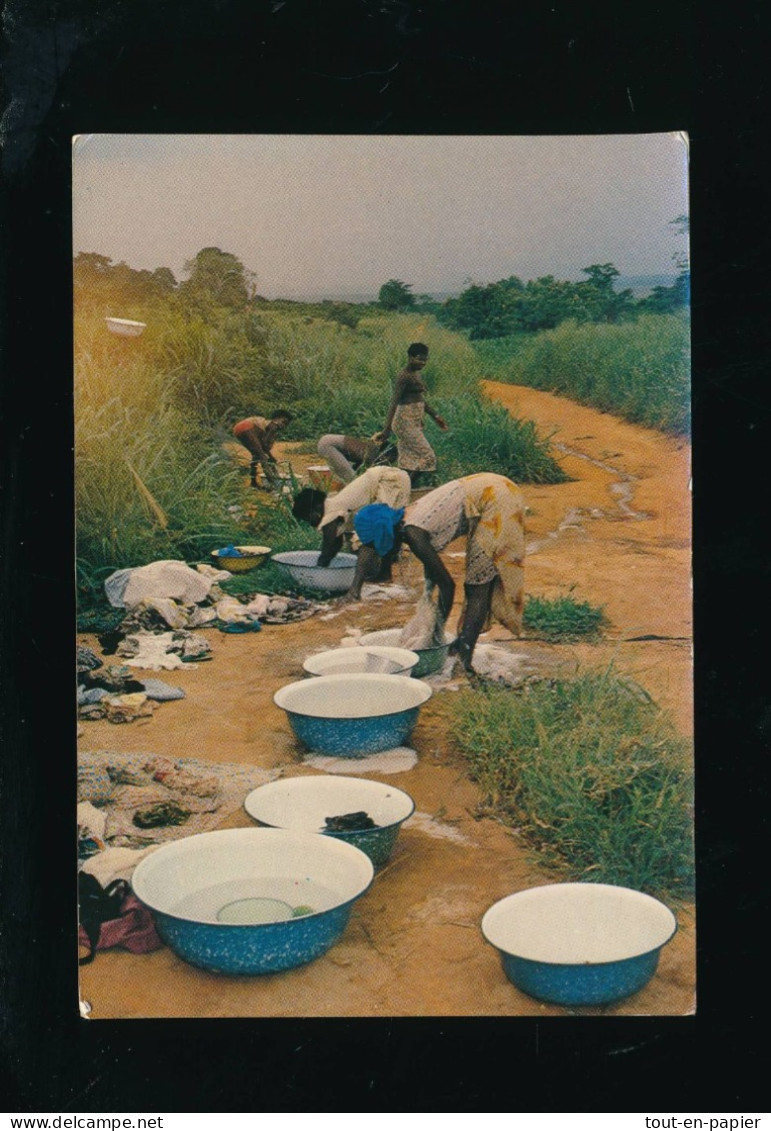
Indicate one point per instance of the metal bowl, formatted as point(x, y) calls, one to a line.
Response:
point(249, 558)
point(348, 716)
point(252, 901)
point(304, 803)
point(347, 661)
point(301, 567)
point(579, 944)
point(430, 660)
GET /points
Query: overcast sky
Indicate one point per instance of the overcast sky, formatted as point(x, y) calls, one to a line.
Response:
point(335, 215)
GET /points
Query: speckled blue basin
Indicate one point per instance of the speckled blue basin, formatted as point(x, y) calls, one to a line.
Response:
point(252, 901)
point(579, 944)
point(304, 803)
point(348, 716)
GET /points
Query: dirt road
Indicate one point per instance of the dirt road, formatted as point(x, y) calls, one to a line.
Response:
point(619, 534)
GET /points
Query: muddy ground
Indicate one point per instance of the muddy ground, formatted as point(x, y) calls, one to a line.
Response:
point(619, 532)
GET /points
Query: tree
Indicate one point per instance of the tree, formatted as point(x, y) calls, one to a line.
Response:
point(600, 302)
point(396, 295)
point(218, 277)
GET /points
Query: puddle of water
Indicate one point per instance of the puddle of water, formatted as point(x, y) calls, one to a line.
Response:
point(395, 761)
point(425, 823)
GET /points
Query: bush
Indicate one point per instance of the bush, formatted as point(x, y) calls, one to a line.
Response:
point(562, 618)
point(592, 774)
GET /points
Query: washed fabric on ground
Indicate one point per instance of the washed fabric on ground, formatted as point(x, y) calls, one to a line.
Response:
point(210, 791)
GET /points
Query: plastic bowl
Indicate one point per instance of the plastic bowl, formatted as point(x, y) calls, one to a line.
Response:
point(300, 566)
point(579, 944)
point(346, 661)
point(303, 804)
point(249, 558)
point(348, 716)
point(252, 901)
point(430, 660)
point(126, 327)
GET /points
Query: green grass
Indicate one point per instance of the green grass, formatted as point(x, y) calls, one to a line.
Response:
point(151, 415)
point(562, 618)
point(639, 370)
point(591, 772)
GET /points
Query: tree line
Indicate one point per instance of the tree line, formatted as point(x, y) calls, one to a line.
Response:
point(217, 278)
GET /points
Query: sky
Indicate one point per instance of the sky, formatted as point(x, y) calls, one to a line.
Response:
point(329, 216)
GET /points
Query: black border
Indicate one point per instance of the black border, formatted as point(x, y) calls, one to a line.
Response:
point(461, 67)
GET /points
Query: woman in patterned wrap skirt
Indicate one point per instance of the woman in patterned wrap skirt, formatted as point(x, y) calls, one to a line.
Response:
point(490, 510)
point(406, 415)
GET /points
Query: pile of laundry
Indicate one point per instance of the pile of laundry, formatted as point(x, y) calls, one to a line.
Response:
point(109, 691)
point(171, 595)
point(130, 801)
point(127, 806)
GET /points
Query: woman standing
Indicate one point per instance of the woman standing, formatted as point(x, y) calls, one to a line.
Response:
point(490, 510)
point(406, 415)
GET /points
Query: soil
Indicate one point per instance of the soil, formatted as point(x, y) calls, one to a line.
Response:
point(617, 535)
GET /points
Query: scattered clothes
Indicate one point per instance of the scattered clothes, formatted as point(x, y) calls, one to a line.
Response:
point(113, 916)
point(230, 610)
point(212, 573)
point(117, 679)
point(115, 863)
point(173, 777)
point(91, 695)
point(87, 660)
point(349, 822)
point(165, 650)
point(127, 708)
point(160, 691)
point(258, 605)
point(284, 610)
point(170, 578)
point(209, 791)
point(162, 813)
point(94, 784)
point(109, 641)
point(241, 626)
point(91, 830)
point(155, 612)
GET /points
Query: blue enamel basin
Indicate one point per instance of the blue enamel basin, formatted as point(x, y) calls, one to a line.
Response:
point(579, 944)
point(304, 803)
point(351, 715)
point(252, 901)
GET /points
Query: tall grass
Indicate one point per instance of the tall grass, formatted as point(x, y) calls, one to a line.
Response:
point(591, 772)
point(482, 436)
point(151, 414)
point(639, 370)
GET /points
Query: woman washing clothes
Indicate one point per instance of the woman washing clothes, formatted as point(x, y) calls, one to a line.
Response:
point(374, 505)
point(406, 416)
point(257, 434)
point(345, 455)
point(490, 510)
